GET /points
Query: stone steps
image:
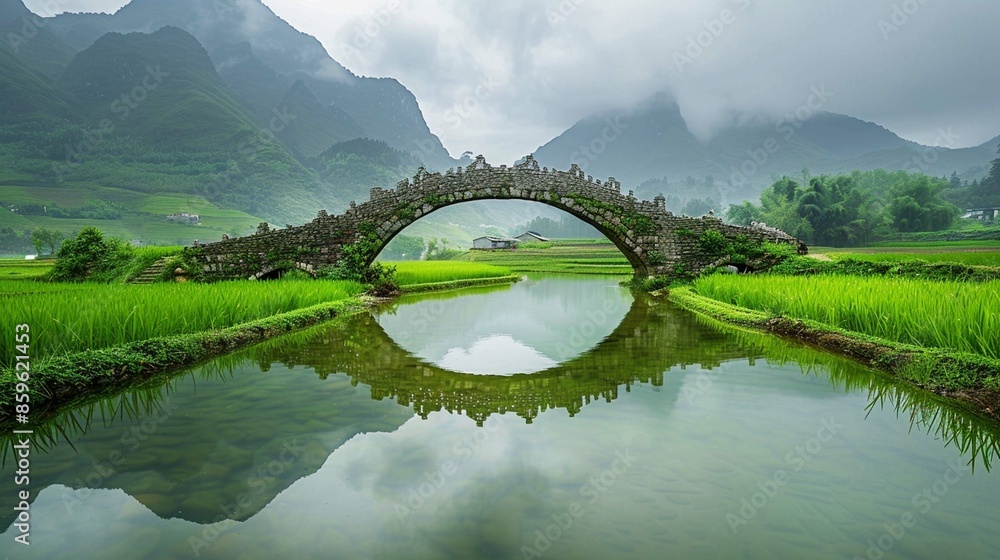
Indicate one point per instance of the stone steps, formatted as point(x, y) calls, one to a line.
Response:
point(153, 273)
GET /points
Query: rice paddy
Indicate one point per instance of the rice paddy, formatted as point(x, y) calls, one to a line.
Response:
point(69, 318)
point(588, 256)
point(11, 269)
point(977, 253)
point(960, 316)
point(975, 258)
point(410, 273)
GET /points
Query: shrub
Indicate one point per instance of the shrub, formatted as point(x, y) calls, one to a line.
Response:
point(89, 256)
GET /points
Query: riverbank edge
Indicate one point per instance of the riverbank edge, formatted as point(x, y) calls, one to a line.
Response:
point(75, 378)
point(61, 380)
point(955, 375)
point(457, 284)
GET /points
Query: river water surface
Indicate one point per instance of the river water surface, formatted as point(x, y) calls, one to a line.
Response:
point(556, 418)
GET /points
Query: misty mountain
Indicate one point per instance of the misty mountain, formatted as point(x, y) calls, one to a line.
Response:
point(172, 94)
point(309, 128)
point(651, 150)
point(27, 36)
point(263, 59)
point(166, 122)
point(134, 114)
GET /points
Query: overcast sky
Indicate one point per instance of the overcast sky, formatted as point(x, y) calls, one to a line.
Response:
point(503, 77)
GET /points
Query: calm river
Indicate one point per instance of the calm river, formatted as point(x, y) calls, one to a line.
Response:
point(556, 418)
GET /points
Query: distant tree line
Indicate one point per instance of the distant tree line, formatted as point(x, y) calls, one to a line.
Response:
point(982, 193)
point(851, 209)
point(93, 210)
point(403, 248)
point(14, 242)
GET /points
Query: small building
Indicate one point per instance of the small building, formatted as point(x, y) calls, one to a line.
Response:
point(490, 243)
point(982, 214)
point(530, 237)
point(184, 217)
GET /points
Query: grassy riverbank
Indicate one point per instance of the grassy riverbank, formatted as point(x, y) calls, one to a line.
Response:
point(75, 377)
point(976, 253)
point(959, 316)
point(410, 273)
point(941, 336)
point(86, 338)
point(93, 316)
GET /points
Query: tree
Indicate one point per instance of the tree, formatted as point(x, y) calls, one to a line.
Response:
point(42, 238)
point(742, 214)
point(403, 248)
point(779, 208)
point(89, 256)
point(440, 250)
point(917, 205)
point(698, 207)
point(955, 181)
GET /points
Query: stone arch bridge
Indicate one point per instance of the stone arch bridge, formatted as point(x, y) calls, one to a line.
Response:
point(654, 241)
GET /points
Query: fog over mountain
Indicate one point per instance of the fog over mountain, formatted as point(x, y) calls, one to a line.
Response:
point(277, 108)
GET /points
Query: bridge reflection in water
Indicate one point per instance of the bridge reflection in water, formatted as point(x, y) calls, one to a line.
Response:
point(651, 340)
point(208, 411)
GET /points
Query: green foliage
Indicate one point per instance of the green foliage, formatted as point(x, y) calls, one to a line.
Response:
point(743, 214)
point(848, 210)
point(93, 210)
point(917, 205)
point(18, 269)
point(742, 250)
point(977, 232)
point(46, 238)
point(405, 212)
point(656, 258)
point(89, 256)
point(356, 264)
point(713, 244)
point(984, 193)
point(650, 283)
point(633, 221)
point(441, 250)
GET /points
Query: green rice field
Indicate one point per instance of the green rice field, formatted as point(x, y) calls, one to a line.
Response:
point(11, 269)
point(587, 256)
point(955, 315)
point(409, 273)
point(975, 258)
point(74, 317)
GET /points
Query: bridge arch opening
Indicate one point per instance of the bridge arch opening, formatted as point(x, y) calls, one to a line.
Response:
point(498, 224)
